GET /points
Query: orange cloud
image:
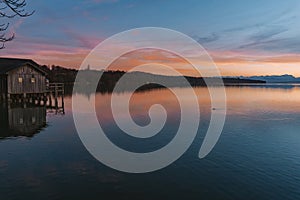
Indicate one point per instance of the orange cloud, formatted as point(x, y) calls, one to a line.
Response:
point(230, 63)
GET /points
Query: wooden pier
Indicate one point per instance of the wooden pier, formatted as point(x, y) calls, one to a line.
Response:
point(56, 93)
point(52, 98)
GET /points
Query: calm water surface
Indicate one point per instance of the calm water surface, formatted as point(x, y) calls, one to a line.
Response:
point(257, 156)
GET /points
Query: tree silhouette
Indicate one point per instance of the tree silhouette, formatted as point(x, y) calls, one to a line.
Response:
point(11, 9)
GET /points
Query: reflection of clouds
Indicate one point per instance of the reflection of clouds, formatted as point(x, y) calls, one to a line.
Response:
point(84, 168)
point(3, 164)
point(81, 168)
point(249, 101)
point(141, 102)
point(242, 99)
point(32, 180)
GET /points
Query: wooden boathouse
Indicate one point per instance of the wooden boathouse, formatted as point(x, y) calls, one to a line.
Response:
point(20, 78)
point(24, 81)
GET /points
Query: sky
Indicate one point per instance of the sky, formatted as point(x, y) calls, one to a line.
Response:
point(258, 37)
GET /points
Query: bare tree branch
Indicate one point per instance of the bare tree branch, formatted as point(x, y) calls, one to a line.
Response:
point(11, 9)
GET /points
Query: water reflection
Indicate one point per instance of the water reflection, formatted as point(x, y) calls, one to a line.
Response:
point(262, 100)
point(257, 156)
point(25, 119)
point(21, 120)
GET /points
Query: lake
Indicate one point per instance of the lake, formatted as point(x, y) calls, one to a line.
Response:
point(256, 157)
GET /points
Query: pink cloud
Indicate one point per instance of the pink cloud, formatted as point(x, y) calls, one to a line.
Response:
point(84, 41)
point(105, 1)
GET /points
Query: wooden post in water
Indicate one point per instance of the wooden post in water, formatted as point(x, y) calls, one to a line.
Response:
point(56, 97)
point(8, 98)
point(62, 99)
point(50, 99)
point(56, 90)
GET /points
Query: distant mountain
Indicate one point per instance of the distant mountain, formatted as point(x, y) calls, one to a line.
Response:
point(275, 79)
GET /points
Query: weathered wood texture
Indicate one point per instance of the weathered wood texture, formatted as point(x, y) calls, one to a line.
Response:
point(25, 79)
point(26, 121)
point(3, 84)
point(3, 118)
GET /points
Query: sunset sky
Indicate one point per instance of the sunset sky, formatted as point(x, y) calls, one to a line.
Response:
point(243, 37)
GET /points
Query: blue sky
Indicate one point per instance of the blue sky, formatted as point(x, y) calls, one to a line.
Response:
point(234, 32)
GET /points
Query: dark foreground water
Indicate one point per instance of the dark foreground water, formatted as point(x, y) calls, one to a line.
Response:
point(257, 156)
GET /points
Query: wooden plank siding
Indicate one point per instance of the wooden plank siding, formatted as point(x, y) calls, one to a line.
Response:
point(26, 73)
point(3, 84)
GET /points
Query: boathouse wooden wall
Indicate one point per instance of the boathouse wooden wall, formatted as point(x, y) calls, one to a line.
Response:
point(26, 79)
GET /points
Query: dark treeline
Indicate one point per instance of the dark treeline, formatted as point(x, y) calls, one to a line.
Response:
point(146, 81)
point(57, 74)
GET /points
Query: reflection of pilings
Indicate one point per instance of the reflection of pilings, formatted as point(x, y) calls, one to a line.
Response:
point(2, 98)
point(22, 104)
point(56, 93)
point(38, 99)
point(56, 103)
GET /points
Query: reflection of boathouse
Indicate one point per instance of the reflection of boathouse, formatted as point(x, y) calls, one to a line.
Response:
point(25, 97)
point(21, 121)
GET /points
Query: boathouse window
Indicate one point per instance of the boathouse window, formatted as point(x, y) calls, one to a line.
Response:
point(20, 80)
point(32, 79)
point(33, 120)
